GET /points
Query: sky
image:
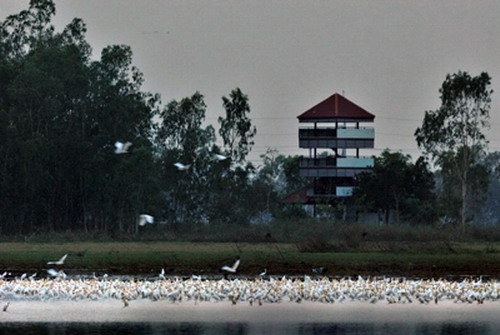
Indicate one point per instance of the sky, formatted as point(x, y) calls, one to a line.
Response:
point(388, 56)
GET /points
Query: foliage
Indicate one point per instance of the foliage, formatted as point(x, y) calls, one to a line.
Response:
point(61, 113)
point(236, 128)
point(489, 212)
point(395, 183)
point(452, 135)
point(450, 186)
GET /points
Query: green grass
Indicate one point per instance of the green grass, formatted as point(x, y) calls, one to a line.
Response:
point(184, 258)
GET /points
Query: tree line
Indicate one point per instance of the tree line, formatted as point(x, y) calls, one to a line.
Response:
point(61, 113)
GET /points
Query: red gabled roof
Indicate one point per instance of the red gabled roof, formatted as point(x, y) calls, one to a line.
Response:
point(299, 197)
point(336, 107)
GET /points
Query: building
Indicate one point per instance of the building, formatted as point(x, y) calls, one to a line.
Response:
point(334, 138)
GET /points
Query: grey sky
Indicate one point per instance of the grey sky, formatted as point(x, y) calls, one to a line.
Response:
point(389, 57)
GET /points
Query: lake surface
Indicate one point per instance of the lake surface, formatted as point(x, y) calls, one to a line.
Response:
point(214, 328)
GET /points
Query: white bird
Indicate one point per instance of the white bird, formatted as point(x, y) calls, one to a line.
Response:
point(182, 167)
point(263, 273)
point(23, 276)
point(162, 274)
point(56, 274)
point(144, 219)
point(6, 306)
point(2, 276)
point(122, 148)
point(33, 276)
point(59, 262)
point(220, 157)
point(320, 271)
point(232, 269)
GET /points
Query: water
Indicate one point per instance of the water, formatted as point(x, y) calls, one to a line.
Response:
point(77, 328)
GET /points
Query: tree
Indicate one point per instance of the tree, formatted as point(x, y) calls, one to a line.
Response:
point(491, 213)
point(183, 139)
point(452, 135)
point(61, 113)
point(395, 183)
point(236, 128)
point(270, 174)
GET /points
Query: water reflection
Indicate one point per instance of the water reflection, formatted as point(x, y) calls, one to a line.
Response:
point(77, 328)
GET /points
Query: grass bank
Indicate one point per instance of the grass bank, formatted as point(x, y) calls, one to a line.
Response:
point(186, 258)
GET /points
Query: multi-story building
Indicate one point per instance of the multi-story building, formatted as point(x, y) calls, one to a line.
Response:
point(334, 140)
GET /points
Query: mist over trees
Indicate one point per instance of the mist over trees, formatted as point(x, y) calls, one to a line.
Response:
point(62, 111)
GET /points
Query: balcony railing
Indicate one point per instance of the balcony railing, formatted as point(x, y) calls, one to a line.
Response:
point(319, 172)
point(337, 133)
point(333, 162)
point(336, 143)
point(339, 191)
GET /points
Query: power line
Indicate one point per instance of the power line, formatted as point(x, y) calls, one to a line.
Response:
point(295, 118)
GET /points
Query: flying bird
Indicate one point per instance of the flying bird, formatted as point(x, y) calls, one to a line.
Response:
point(145, 219)
point(182, 167)
point(320, 271)
point(220, 157)
point(59, 262)
point(122, 148)
point(233, 268)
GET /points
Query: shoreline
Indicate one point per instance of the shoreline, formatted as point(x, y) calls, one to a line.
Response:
point(148, 311)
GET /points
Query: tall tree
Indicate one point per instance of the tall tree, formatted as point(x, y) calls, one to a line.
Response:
point(452, 135)
point(183, 139)
point(236, 128)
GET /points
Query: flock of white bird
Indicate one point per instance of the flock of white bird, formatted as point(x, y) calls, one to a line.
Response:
point(262, 289)
point(124, 148)
point(259, 290)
